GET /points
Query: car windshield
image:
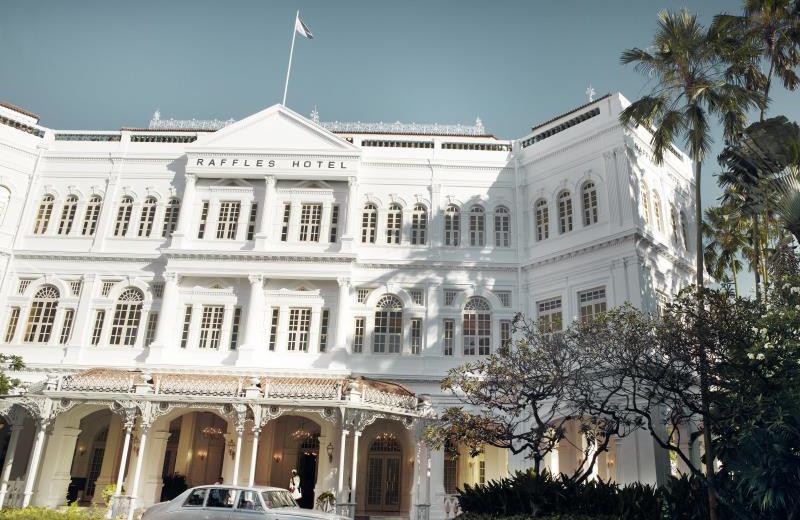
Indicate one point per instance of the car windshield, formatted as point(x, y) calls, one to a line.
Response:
point(278, 499)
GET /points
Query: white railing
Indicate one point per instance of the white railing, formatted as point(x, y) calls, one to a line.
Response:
point(14, 493)
point(409, 402)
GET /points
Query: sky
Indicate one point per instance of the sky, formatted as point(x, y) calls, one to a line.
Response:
point(107, 64)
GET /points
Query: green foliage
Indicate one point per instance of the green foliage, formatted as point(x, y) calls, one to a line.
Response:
point(12, 364)
point(108, 493)
point(42, 513)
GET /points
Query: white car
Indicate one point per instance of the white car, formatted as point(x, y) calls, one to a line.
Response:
point(218, 502)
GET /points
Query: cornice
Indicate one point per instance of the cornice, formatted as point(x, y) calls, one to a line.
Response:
point(422, 264)
point(571, 144)
point(612, 241)
point(91, 257)
point(439, 165)
point(235, 256)
point(278, 154)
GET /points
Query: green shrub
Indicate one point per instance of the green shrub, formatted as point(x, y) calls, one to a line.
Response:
point(42, 513)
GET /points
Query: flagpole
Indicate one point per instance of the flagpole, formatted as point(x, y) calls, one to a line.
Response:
point(291, 51)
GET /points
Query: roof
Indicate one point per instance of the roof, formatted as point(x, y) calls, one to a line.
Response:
point(15, 108)
point(577, 109)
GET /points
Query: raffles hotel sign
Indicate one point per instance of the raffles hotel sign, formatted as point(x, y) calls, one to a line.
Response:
point(259, 165)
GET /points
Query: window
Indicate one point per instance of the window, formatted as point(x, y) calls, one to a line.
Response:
point(310, 222)
point(645, 202)
point(592, 303)
point(504, 297)
point(685, 230)
point(299, 327)
point(187, 322)
point(674, 219)
point(196, 498)
point(127, 314)
point(68, 215)
point(564, 212)
point(477, 327)
point(148, 217)
point(589, 193)
point(416, 335)
point(362, 294)
point(323, 330)
point(542, 221)
point(43, 215)
point(273, 328)
point(419, 225)
point(417, 296)
point(42, 315)
point(11, 327)
point(220, 497)
point(123, 217)
point(388, 334)
point(150, 332)
point(549, 313)
point(358, 335)
point(394, 222)
point(249, 501)
point(201, 230)
point(105, 289)
point(448, 337)
point(228, 219)
point(334, 229)
point(75, 287)
point(5, 200)
point(450, 296)
point(369, 221)
point(251, 222)
point(157, 288)
point(452, 225)
point(657, 211)
point(502, 227)
point(450, 468)
point(92, 215)
point(97, 331)
point(505, 333)
point(235, 322)
point(171, 213)
point(477, 227)
point(481, 472)
point(66, 328)
point(23, 286)
point(211, 326)
point(287, 216)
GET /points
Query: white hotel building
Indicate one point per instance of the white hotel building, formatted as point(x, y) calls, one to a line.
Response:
point(209, 298)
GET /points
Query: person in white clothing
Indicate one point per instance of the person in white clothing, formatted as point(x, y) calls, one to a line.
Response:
point(294, 485)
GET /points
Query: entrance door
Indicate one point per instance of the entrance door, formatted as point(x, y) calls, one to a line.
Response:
point(383, 474)
point(307, 470)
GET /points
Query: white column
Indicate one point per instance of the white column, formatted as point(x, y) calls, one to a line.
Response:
point(122, 466)
point(237, 458)
point(313, 336)
point(9, 462)
point(82, 323)
point(170, 320)
point(342, 449)
point(137, 472)
point(325, 223)
point(342, 313)
point(186, 215)
point(354, 474)
point(254, 325)
point(437, 511)
point(351, 222)
point(33, 463)
point(251, 479)
point(264, 231)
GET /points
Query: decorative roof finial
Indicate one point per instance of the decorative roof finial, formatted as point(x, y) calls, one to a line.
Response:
point(315, 115)
point(590, 93)
point(157, 115)
point(479, 125)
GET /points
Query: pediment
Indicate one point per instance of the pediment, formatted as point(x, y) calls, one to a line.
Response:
point(275, 128)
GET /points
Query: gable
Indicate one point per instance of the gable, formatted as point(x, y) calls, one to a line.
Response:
point(276, 128)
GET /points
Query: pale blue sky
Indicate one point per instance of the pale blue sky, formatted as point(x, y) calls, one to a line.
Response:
point(107, 64)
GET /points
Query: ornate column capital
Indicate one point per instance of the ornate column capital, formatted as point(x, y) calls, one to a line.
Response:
point(171, 276)
point(256, 279)
point(270, 180)
point(190, 178)
point(343, 281)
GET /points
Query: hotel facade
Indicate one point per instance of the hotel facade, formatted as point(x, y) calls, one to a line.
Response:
point(243, 298)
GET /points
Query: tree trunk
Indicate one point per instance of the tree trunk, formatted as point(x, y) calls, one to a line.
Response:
point(698, 215)
point(735, 282)
point(755, 231)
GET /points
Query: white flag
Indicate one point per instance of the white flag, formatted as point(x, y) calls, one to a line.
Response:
point(301, 28)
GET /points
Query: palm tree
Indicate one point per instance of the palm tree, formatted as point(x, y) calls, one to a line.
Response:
point(787, 205)
point(687, 64)
point(726, 240)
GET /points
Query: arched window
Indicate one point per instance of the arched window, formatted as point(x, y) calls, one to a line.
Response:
point(387, 337)
point(43, 215)
point(148, 217)
point(68, 215)
point(452, 225)
point(123, 216)
point(171, 213)
point(589, 194)
point(5, 200)
point(685, 230)
point(92, 215)
point(477, 329)
point(564, 212)
point(42, 315)
point(657, 211)
point(542, 220)
point(419, 225)
point(477, 226)
point(369, 222)
point(502, 227)
point(127, 315)
point(673, 213)
point(394, 223)
point(645, 203)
